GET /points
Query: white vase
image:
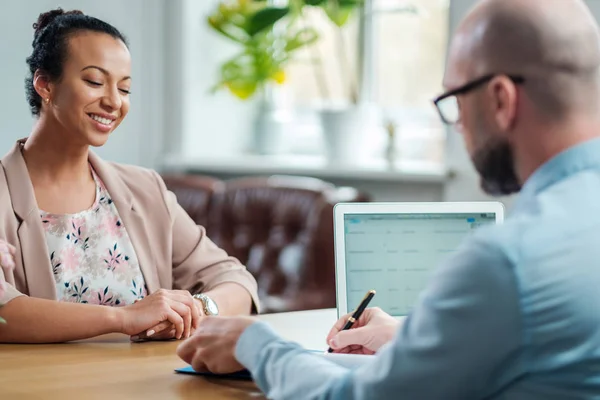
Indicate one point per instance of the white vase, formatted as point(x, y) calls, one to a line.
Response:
point(271, 129)
point(345, 130)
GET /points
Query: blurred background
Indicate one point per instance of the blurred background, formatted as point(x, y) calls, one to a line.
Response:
point(392, 61)
point(261, 115)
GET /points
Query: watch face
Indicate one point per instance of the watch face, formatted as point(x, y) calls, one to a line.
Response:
point(211, 306)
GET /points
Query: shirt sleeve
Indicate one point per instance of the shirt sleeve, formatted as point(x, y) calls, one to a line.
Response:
point(465, 326)
point(198, 263)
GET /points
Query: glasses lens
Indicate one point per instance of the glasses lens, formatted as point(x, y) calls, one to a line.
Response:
point(449, 109)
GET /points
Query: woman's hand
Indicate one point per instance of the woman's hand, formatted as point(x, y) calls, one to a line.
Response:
point(7, 255)
point(162, 331)
point(177, 307)
point(7, 261)
point(372, 330)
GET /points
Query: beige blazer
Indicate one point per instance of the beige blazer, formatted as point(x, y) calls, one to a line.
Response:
point(173, 252)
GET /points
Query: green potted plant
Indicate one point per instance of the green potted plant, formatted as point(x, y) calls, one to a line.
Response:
point(267, 38)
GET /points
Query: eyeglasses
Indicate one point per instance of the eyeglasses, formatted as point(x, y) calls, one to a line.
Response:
point(447, 103)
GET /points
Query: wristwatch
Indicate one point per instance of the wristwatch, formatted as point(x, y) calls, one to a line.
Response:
point(209, 306)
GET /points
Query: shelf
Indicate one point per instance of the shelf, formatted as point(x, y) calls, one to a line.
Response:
point(315, 166)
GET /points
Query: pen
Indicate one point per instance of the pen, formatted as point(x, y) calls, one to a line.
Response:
point(356, 314)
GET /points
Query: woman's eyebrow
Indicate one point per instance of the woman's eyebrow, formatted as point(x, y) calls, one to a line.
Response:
point(105, 72)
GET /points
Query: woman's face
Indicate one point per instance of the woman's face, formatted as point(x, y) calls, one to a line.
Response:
point(91, 98)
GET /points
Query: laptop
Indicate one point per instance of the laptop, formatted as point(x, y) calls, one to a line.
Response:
point(395, 247)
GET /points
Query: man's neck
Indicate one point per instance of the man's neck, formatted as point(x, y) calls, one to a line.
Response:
point(539, 146)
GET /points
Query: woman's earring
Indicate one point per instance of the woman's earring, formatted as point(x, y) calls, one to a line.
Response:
point(46, 100)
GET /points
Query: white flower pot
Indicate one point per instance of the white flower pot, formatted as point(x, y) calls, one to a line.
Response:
point(345, 130)
point(271, 128)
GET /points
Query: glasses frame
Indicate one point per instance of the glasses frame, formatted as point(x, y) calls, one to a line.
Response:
point(467, 87)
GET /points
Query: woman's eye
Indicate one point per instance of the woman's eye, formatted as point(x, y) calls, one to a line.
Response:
point(93, 82)
point(125, 91)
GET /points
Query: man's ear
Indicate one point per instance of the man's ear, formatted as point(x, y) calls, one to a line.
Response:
point(42, 85)
point(503, 94)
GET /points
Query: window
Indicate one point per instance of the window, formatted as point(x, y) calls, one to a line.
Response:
point(403, 59)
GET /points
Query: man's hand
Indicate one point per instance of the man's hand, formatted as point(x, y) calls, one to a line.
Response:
point(212, 347)
point(372, 330)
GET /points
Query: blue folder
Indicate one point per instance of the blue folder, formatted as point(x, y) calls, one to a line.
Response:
point(243, 375)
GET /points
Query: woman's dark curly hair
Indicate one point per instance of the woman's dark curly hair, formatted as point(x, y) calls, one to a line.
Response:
point(50, 45)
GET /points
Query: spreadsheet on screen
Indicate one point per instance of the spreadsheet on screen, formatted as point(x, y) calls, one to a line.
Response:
point(396, 254)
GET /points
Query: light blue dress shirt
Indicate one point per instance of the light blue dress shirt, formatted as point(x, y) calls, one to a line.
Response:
point(513, 314)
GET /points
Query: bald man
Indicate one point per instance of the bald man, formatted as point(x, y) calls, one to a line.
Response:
point(515, 312)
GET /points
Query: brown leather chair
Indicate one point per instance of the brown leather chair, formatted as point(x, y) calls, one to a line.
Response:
point(195, 194)
point(281, 228)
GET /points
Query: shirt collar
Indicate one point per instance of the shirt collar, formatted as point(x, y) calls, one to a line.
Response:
point(577, 158)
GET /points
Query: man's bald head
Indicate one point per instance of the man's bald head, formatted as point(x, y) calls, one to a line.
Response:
point(554, 44)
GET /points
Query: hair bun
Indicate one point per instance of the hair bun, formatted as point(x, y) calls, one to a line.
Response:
point(46, 18)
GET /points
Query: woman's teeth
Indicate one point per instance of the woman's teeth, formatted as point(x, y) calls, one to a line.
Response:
point(104, 121)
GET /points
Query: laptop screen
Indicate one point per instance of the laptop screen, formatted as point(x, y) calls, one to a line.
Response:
point(395, 254)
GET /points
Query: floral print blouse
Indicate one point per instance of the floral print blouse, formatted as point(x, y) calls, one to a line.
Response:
point(92, 257)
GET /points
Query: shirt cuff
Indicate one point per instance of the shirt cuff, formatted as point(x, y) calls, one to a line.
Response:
point(254, 339)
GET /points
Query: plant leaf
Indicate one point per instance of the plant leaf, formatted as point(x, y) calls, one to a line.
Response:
point(230, 31)
point(338, 14)
point(302, 38)
point(265, 18)
point(339, 11)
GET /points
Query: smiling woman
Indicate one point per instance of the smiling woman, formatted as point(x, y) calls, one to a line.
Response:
point(89, 233)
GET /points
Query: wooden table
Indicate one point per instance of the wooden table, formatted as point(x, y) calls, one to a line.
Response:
point(110, 367)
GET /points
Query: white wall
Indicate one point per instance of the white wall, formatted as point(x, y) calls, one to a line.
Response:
point(139, 139)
